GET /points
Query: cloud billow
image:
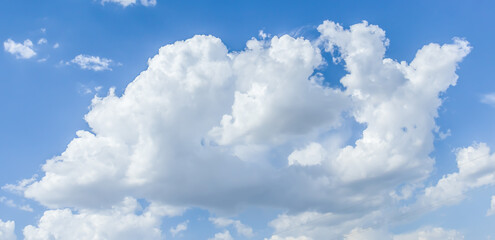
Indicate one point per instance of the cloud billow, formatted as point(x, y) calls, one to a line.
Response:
point(20, 50)
point(205, 127)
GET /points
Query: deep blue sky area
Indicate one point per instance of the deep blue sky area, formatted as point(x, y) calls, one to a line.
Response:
point(43, 104)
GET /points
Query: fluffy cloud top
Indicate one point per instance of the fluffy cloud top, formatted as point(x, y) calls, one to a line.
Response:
point(164, 128)
point(20, 50)
point(259, 127)
point(94, 63)
point(7, 230)
point(119, 222)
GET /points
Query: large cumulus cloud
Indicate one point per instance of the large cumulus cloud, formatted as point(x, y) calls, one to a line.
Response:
point(205, 127)
point(198, 128)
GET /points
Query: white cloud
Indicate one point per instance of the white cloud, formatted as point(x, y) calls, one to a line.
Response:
point(491, 211)
point(119, 222)
point(488, 99)
point(94, 63)
point(56, 45)
point(126, 3)
point(7, 230)
point(239, 227)
point(83, 89)
point(262, 34)
point(275, 101)
point(309, 226)
point(179, 228)
point(398, 102)
point(444, 135)
point(258, 128)
point(11, 203)
point(222, 236)
point(42, 41)
point(21, 185)
point(198, 70)
point(476, 169)
point(313, 154)
point(148, 2)
point(20, 50)
point(315, 225)
point(368, 234)
point(431, 234)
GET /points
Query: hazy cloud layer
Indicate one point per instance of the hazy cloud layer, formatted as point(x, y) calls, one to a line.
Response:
point(488, 99)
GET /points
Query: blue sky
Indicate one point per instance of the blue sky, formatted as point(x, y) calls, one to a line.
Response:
point(278, 170)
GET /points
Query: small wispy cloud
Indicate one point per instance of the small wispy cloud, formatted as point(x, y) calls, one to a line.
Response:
point(491, 211)
point(179, 228)
point(444, 135)
point(42, 41)
point(11, 203)
point(84, 90)
point(20, 50)
point(488, 99)
point(126, 3)
point(263, 35)
point(21, 185)
point(93, 63)
point(148, 3)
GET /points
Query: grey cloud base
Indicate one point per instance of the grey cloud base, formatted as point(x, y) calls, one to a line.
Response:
point(205, 127)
